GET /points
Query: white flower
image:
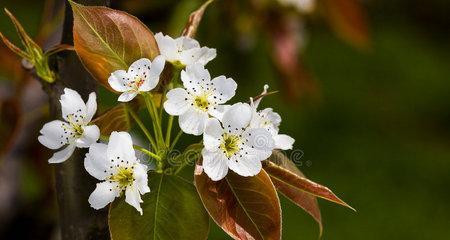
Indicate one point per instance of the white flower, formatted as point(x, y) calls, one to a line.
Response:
point(142, 76)
point(117, 166)
point(233, 144)
point(74, 131)
point(270, 120)
point(184, 51)
point(200, 98)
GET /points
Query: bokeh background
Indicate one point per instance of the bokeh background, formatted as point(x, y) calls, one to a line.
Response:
point(364, 87)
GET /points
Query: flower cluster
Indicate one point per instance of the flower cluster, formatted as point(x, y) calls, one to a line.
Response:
point(236, 137)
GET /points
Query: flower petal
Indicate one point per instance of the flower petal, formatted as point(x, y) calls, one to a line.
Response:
point(197, 56)
point(133, 197)
point(120, 148)
point(237, 117)
point(195, 78)
point(53, 134)
point(246, 166)
point(118, 80)
point(177, 101)
point(225, 89)
point(140, 175)
point(72, 106)
point(167, 47)
point(186, 43)
point(62, 155)
point(212, 135)
point(127, 96)
point(218, 111)
point(283, 141)
point(90, 135)
point(104, 193)
point(96, 162)
point(215, 165)
point(91, 107)
point(193, 121)
point(153, 73)
point(259, 138)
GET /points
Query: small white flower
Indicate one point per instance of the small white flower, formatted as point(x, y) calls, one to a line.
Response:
point(74, 131)
point(142, 76)
point(184, 51)
point(234, 145)
point(270, 120)
point(200, 98)
point(117, 166)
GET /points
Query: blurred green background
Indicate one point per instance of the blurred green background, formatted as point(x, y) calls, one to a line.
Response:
point(376, 129)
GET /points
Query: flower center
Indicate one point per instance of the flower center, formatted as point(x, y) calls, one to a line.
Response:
point(201, 102)
point(136, 83)
point(124, 177)
point(230, 144)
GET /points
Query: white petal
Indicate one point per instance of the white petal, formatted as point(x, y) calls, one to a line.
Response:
point(96, 162)
point(283, 141)
point(259, 138)
point(214, 164)
point(237, 117)
point(62, 155)
point(212, 135)
point(119, 80)
point(197, 56)
point(193, 121)
point(225, 88)
point(120, 147)
point(139, 66)
point(167, 47)
point(177, 101)
point(247, 166)
point(104, 193)
point(153, 74)
point(127, 96)
point(72, 104)
point(140, 175)
point(195, 78)
point(185, 43)
point(53, 135)
point(133, 198)
point(90, 135)
point(218, 111)
point(91, 107)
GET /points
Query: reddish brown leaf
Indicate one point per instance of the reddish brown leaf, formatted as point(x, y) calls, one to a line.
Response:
point(302, 199)
point(244, 207)
point(295, 181)
point(107, 40)
point(348, 19)
point(115, 119)
point(194, 20)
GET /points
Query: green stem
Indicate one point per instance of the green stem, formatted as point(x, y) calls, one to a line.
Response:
point(175, 140)
point(169, 130)
point(139, 148)
point(155, 119)
point(142, 126)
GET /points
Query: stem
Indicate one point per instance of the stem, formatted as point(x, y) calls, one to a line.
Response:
point(169, 130)
point(142, 126)
point(139, 148)
point(175, 140)
point(151, 108)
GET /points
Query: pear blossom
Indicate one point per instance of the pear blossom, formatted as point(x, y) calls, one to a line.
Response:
point(199, 99)
point(270, 120)
point(183, 51)
point(142, 76)
point(119, 170)
point(234, 145)
point(75, 130)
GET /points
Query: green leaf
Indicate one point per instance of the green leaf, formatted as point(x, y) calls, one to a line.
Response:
point(172, 210)
point(244, 207)
point(302, 199)
point(107, 40)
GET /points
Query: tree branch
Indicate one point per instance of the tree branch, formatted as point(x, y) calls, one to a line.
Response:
point(73, 184)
